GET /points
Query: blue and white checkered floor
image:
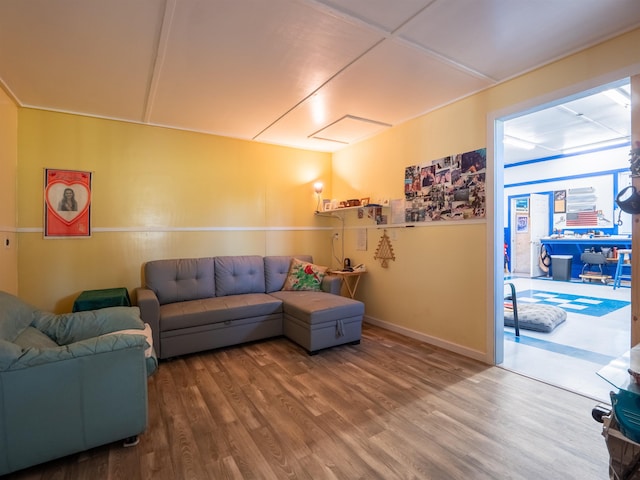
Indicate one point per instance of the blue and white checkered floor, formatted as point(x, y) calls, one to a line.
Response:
point(596, 307)
point(597, 331)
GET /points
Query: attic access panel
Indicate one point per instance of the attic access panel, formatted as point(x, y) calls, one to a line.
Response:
point(349, 129)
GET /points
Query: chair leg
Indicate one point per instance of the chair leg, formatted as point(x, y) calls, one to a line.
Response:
point(616, 280)
point(131, 441)
point(514, 302)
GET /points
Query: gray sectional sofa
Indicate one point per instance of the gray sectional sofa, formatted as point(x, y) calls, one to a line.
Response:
point(196, 304)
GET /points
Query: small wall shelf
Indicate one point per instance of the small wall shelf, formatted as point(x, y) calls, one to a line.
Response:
point(331, 213)
point(336, 211)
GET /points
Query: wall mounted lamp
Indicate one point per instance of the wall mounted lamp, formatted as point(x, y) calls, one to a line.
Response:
point(317, 187)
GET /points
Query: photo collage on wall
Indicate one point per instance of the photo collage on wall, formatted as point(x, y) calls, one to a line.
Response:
point(449, 188)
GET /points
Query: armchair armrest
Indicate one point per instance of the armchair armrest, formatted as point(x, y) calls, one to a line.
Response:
point(150, 313)
point(9, 352)
point(68, 328)
point(105, 344)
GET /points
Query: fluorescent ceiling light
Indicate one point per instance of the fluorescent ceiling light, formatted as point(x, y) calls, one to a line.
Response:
point(516, 142)
point(618, 97)
point(607, 143)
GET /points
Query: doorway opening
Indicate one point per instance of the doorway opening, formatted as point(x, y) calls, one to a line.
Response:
point(562, 165)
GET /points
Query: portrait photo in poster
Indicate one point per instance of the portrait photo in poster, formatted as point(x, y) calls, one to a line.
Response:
point(67, 203)
point(449, 188)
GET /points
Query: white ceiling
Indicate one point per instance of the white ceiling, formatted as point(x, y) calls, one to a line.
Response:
point(589, 121)
point(314, 74)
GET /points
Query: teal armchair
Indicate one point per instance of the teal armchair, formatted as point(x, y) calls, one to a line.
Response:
point(69, 382)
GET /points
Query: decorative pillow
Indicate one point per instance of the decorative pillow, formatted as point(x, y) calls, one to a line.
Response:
point(68, 328)
point(304, 276)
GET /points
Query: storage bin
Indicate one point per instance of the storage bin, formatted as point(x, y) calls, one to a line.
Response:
point(561, 267)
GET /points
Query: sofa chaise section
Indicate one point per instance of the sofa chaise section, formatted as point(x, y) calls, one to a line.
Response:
point(314, 320)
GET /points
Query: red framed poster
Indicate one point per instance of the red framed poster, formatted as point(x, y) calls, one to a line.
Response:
point(67, 203)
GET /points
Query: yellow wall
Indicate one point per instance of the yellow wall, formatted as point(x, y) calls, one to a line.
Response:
point(439, 287)
point(158, 193)
point(8, 175)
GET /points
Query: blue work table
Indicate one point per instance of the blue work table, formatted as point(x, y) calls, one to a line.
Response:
point(575, 246)
point(566, 245)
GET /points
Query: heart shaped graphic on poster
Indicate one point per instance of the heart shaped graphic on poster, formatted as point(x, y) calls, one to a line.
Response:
point(67, 200)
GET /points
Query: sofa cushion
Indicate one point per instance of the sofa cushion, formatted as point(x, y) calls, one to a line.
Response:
point(181, 279)
point(34, 338)
point(207, 311)
point(304, 276)
point(318, 307)
point(276, 269)
point(15, 316)
point(236, 275)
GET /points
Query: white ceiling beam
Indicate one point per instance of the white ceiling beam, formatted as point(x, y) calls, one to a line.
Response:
point(160, 54)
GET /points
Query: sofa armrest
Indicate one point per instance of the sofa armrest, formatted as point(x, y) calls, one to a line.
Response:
point(331, 284)
point(150, 313)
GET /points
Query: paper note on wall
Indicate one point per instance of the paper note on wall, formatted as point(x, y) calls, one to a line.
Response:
point(361, 239)
point(397, 211)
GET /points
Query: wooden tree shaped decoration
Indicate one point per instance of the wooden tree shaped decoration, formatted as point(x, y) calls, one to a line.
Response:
point(384, 251)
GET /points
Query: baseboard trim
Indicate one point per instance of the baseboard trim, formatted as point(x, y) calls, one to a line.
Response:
point(438, 342)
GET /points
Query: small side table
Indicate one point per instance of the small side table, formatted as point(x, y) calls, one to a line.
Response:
point(96, 299)
point(350, 279)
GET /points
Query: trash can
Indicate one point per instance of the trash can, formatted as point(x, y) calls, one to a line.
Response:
point(561, 267)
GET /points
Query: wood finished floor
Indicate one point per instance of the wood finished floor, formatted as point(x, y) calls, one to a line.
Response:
point(389, 408)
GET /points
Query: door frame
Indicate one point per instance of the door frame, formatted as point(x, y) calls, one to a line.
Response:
point(495, 196)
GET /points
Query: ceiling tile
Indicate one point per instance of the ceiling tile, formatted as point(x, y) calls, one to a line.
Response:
point(391, 84)
point(503, 38)
point(384, 14)
point(229, 72)
point(85, 57)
